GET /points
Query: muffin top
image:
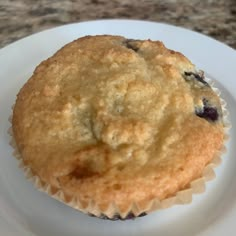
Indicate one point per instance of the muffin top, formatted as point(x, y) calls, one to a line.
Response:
point(117, 120)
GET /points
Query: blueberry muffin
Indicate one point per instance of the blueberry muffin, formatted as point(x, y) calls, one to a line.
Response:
point(115, 123)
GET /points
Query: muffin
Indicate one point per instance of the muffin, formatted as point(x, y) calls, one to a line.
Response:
point(115, 127)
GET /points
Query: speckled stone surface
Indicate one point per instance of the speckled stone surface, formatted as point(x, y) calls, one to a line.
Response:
point(20, 18)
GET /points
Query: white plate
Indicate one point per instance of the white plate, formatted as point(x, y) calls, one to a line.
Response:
point(25, 211)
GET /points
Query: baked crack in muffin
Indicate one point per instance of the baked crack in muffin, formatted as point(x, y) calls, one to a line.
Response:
point(115, 124)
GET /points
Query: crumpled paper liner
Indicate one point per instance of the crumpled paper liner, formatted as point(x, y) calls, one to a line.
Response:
point(182, 197)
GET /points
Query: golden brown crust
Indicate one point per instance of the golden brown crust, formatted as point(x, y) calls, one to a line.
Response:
point(112, 119)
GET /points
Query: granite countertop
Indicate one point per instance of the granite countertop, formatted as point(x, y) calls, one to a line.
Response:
point(216, 18)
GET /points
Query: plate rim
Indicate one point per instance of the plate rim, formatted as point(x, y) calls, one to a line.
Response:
point(113, 20)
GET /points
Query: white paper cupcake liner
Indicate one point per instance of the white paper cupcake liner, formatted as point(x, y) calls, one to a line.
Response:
point(182, 197)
